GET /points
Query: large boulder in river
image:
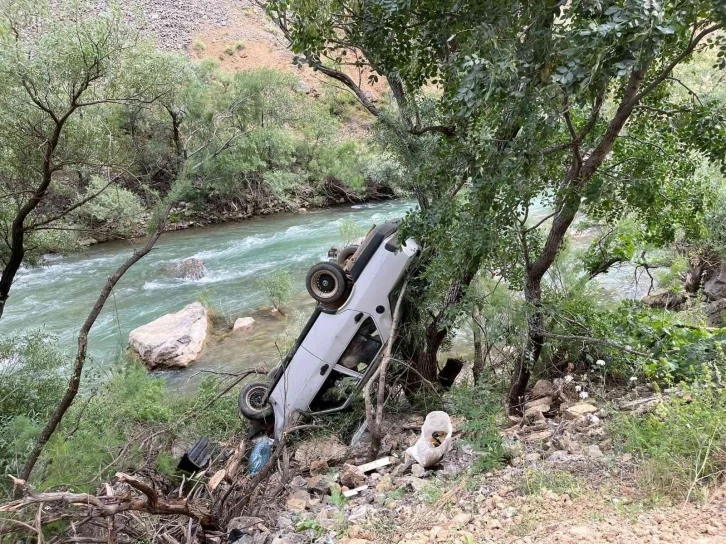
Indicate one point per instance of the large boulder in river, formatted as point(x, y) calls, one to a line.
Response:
point(714, 288)
point(188, 269)
point(174, 340)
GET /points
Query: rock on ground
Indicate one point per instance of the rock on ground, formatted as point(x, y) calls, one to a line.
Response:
point(716, 313)
point(243, 324)
point(714, 288)
point(174, 340)
point(665, 299)
point(329, 449)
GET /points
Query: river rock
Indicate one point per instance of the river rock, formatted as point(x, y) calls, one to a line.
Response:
point(579, 409)
point(716, 313)
point(543, 388)
point(243, 324)
point(665, 299)
point(352, 477)
point(174, 340)
point(188, 269)
point(714, 288)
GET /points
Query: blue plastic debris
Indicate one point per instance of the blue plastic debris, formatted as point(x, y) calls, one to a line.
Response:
point(261, 453)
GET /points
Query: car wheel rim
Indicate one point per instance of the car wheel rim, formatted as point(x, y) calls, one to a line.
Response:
point(255, 398)
point(324, 284)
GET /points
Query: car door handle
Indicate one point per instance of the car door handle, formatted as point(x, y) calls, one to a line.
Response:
point(324, 369)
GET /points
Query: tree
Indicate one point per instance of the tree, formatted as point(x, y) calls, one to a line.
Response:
point(61, 74)
point(531, 103)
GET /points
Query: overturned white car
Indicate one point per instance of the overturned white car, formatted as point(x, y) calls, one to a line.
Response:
point(340, 346)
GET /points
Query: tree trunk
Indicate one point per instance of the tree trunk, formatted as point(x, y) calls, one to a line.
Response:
point(533, 347)
point(478, 367)
point(75, 380)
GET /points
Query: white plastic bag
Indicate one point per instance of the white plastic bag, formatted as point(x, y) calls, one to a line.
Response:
point(437, 429)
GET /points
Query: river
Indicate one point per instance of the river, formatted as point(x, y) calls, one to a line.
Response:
point(58, 295)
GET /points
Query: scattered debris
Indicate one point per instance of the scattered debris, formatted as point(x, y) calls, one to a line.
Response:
point(373, 465)
point(435, 439)
point(353, 492)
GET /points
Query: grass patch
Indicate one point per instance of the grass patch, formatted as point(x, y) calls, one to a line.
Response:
point(230, 50)
point(480, 407)
point(535, 482)
point(199, 46)
point(239, 45)
point(682, 443)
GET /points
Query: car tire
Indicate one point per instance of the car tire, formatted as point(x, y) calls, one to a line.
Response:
point(250, 401)
point(327, 283)
point(345, 254)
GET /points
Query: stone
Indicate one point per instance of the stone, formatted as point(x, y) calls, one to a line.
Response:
point(461, 520)
point(296, 505)
point(542, 403)
point(415, 484)
point(188, 269)
point(714, 288)
point(329, 449)
point(665, 299)
point(319, 466)
point(561, 456)
point(318, 484)
point(243, 324)
point(579, 409)
point(541, 436)
point(543, 388)
point(358, 513)
point(352, 477)
point(173, 340)
point(594, 452)
point(246, 524)
point(494, 523)
point(418, 471)
point(532, 457)
point(386, 484)
point(298, 481)
point(716, 313)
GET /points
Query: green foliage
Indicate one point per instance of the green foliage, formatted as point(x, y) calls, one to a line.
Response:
point(32, 380)
point(480, 407)
point(114, 205)
point(278, 287)
point(230, 50)
point(199, 46)
point(681, 442)
point(337, 498)
point(349, 231)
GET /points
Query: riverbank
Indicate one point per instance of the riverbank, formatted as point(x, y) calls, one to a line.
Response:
point(185, 215)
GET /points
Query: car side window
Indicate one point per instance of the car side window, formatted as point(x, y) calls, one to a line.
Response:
point(363, 348)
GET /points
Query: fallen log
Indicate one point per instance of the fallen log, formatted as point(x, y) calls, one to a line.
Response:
point(106, 506)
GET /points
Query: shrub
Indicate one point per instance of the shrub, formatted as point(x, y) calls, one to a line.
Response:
point(199, 46)
point(682, 442)
point(115, 206)
point(349, 231)
point(31, 383)
point(278, 287)
point(239, 46)
point(230, 50)
point(480, 406)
